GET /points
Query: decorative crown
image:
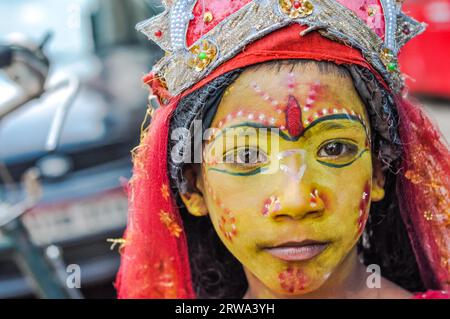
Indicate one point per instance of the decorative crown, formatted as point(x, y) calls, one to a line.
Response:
point(199, 35)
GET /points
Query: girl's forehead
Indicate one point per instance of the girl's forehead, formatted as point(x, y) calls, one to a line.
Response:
point(296, 78)
point(267, 92)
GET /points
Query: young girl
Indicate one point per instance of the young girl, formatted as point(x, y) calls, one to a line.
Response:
point(284, 160)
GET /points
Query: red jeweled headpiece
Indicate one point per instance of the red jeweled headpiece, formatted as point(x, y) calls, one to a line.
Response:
point(198, 36)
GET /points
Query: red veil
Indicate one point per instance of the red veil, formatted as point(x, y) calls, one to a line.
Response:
point(155, 261)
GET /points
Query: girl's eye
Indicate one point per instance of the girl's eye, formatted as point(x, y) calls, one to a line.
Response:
point(246, 157)
point(336, 149)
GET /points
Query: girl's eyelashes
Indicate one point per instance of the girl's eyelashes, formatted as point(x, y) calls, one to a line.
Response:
point(246, 157)
point(336, 149)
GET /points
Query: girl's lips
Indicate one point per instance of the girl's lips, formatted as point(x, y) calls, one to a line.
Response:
point(297, 251)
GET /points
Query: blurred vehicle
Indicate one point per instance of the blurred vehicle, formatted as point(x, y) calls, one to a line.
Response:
point(83, 201)
point(425, 60)
point(25, 64)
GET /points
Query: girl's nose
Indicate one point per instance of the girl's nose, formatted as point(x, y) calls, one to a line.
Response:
point(298, 202)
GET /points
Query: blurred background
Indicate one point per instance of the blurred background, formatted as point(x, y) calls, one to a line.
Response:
point(71, 108)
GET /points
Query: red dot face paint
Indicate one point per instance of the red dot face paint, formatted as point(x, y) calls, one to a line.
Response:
point(227, 225)
point(271, 205)
point(312, 96)
point(265, 96)
point(314, 196)
point(293, 280)
point(260, 117)
point(291, 83)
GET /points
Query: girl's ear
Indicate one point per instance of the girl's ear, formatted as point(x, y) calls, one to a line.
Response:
point(378, 180)
point(193, 198)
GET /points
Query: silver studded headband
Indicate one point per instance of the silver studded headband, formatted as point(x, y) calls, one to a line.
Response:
point(183, 66)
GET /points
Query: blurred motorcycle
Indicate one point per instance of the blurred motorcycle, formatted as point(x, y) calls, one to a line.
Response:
point(27, 66)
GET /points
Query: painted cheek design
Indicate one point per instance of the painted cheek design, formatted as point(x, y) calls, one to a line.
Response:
point(227, 225)
point(293, 280)
point(210, 191)
point(227, 220)
point(363, 208)
point(314, 197)
point(271, 205)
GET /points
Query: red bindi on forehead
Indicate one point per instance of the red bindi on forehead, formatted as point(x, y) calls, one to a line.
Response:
point(293, 115)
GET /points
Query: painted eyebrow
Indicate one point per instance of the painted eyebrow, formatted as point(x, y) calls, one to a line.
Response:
point(322, 119)
point(328, 126)
point(332, 125)
point(335, 117)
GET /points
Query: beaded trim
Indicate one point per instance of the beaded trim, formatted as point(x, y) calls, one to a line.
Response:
point(260, 17)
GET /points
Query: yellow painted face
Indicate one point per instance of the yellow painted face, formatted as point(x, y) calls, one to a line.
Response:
point(290, 204)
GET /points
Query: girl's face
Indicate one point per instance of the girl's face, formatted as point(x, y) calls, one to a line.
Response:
point(287, 174)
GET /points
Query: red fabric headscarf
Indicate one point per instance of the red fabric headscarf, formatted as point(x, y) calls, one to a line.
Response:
point(155, 261)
